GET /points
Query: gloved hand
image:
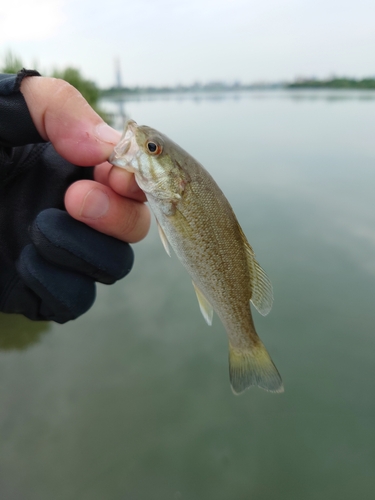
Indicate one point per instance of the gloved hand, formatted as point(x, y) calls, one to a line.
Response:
point(54, 276)
point(49, 262)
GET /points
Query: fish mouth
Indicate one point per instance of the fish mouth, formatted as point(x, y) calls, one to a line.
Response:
point(127, 148)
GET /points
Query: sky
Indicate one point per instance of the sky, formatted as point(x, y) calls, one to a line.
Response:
point(169, 42)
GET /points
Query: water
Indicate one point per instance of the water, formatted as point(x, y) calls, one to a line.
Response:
point(132, 401)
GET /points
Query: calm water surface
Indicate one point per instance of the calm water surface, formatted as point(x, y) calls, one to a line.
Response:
point(132, 401)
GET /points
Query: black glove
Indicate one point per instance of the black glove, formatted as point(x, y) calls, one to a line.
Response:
point(49, 262)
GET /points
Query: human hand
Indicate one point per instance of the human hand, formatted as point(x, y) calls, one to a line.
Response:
point(112, 203)
point(49, 261)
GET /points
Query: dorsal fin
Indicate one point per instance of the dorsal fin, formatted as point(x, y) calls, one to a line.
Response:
point(260, 285)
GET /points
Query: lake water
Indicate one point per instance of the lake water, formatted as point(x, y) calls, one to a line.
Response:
point(132, 401)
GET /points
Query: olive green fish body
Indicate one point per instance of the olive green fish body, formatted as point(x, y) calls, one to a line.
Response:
point(197, 221)
point(217, 264)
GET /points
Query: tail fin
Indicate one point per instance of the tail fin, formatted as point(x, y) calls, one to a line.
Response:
point(253, 367)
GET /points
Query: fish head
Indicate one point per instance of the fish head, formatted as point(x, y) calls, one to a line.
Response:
point(155, 160)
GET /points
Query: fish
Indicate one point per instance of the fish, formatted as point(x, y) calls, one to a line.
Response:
point(195, 219)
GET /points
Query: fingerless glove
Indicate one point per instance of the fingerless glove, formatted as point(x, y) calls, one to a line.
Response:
point(49, 262)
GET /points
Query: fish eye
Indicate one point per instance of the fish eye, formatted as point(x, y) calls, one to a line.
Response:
point(153, 148)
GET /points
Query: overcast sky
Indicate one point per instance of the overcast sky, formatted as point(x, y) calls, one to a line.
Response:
point(170, 41)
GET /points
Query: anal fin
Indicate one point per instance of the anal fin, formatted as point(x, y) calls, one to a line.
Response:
point(204, 305)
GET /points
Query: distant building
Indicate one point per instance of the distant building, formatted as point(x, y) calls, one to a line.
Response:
point(118, 76)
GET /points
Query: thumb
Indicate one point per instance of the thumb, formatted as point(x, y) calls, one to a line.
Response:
point(63, 117)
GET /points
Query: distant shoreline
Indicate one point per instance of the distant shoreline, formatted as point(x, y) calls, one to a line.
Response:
point(185, 89)
point(334, 83)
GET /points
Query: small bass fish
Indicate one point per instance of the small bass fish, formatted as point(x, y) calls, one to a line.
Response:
point(197, 221)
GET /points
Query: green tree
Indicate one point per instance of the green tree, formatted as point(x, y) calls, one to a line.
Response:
point(12, 63)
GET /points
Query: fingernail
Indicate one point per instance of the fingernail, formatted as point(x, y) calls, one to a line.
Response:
point(105, 133)
point(95, 204)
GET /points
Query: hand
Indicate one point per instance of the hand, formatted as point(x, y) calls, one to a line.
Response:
point(113, 202)
point(49, 260)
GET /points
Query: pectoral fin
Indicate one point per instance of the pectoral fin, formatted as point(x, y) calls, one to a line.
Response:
point(205, 306)
point(261, 293)
point(163, 239)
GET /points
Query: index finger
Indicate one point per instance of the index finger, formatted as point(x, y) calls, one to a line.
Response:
point(63, 116)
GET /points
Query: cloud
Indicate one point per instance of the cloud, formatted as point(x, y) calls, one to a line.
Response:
point(30, 20)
